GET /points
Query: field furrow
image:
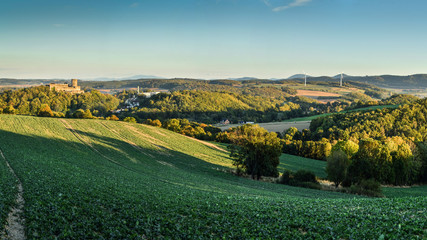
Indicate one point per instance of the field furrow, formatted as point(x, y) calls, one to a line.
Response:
point(74, 191)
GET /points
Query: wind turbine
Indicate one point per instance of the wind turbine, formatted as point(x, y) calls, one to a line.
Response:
point(305, 79)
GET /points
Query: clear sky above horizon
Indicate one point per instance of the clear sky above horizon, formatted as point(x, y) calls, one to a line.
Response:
point(211, 38)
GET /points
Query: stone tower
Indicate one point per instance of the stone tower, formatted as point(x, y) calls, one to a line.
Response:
point(73, 82)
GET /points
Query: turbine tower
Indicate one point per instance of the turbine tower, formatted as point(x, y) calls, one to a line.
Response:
point(341, 80)
point(305, 79)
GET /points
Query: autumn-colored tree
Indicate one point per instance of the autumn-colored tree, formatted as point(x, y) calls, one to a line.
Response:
point(129, 119)
point(349, 147)
point(114, 118)
point(45, 111)
point(9, 110)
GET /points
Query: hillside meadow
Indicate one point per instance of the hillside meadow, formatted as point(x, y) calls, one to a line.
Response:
point(115, 180)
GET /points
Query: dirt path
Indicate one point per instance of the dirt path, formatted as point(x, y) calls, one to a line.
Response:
point(14, 229)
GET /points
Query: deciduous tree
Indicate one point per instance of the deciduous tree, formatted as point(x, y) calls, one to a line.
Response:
point(258, 150)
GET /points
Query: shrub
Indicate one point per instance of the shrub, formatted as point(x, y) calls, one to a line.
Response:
point(58, 114)
point(286, 177)
point(367, 187)
point(113, 118)
point(301, 178)
point(87, 114)
point(129, 119)
point(305, 176)
point(155, 123)
point(79, 113)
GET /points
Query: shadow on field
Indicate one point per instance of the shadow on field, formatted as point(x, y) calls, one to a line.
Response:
point(119, 160)
point(88, 150)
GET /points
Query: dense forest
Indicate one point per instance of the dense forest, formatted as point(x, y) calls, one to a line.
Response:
point(385, 144)
point(255, 87)
point(28, 101)
point(213, 107)
point(248, 103)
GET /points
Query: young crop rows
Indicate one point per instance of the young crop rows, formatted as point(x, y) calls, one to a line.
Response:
point(85, 179)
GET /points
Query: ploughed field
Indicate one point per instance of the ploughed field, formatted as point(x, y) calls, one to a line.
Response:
point(103, 179)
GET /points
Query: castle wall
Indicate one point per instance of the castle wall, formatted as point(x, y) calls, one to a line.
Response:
point(74, 89)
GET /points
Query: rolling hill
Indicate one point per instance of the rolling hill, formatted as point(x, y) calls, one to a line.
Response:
point(116, 180)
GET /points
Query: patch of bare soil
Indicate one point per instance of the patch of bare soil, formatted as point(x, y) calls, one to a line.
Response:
point(14, 229)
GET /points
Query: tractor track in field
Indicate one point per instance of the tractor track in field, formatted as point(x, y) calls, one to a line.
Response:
point(89, 145)
point(79, 137)
point(14, 229)
point(138, 148)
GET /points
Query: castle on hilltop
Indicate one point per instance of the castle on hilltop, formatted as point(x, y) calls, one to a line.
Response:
point(65, 87)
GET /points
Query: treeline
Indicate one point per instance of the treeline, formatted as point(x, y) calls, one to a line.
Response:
point(30, 101)
point(385, 144)
point(183, 126)
point(213, 107)
point(254, 87)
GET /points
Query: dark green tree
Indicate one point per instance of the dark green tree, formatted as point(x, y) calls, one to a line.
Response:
point(336, 167)
point(258, 150)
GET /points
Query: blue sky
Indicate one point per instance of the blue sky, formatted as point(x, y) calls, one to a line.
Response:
point(211, 38)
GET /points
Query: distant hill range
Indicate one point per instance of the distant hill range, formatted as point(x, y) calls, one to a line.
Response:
point(296, 76)
point(135, 77)
point(384, 81)
point(415, 81)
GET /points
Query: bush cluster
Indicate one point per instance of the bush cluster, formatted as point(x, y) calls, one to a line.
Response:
point(301, 178)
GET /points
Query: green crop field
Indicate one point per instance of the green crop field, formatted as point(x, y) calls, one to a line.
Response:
point(397, 192)
point(295, 163)
point(94, 179)
point(309, 118)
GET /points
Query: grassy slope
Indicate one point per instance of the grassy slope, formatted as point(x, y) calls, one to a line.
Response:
point(110, 179)
point(295, 163)
point(309, 118)
point(397, 192)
